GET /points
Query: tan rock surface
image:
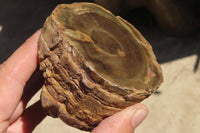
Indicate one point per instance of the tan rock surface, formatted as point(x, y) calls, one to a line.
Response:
point(94, 64)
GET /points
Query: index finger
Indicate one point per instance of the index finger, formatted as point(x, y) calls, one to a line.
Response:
point(14, 73)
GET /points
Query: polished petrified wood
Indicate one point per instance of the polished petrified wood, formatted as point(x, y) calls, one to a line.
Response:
point(94, 63)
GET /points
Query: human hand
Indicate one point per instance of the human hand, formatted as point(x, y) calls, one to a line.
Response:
point(14, 74)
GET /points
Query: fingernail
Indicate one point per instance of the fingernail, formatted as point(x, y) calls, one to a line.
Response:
point(138, 117)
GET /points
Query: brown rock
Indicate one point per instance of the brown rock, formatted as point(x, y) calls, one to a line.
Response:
point(94, 63)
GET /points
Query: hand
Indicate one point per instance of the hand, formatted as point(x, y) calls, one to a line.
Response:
point(14, 74)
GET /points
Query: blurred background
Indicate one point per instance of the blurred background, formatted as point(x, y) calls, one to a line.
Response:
point(171, 26)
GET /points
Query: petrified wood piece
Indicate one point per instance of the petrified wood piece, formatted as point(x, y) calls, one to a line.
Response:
point(94, 65)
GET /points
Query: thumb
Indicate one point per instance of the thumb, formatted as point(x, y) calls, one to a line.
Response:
point(124, 121)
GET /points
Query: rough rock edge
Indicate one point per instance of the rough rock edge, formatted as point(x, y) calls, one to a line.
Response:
point(81, 80)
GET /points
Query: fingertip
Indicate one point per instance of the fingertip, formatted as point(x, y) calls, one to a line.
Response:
point(33, 39)
point(140, 113)
point(139, 106)
point(138, 117)
point(124, 121)
point(23, 61)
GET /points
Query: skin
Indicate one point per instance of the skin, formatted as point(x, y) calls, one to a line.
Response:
point(15, 118)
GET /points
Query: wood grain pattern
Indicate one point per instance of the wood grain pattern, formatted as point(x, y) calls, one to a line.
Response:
point(94, 64)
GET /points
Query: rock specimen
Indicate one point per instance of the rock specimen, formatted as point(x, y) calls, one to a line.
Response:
point(95, 64)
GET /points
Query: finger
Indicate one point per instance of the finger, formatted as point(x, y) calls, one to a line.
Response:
point(31, 88)
point(31, 117)
point(14, 74)
point(123, 122)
